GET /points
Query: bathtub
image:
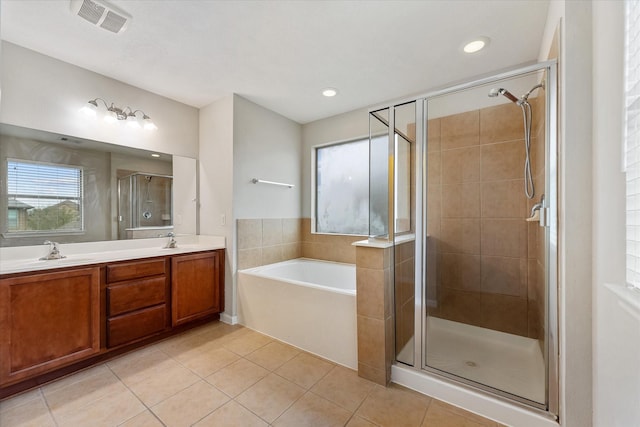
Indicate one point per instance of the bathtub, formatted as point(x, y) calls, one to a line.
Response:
point(309, 304)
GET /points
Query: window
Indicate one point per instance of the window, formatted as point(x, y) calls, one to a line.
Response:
point(43, 198)
point(342, 188)
point(632, 139)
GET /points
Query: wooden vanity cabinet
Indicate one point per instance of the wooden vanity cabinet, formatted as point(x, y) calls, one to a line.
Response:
point(197, 286)
point(137, 300)
point(48, 320)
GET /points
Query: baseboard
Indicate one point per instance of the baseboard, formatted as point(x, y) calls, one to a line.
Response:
point(228, 319)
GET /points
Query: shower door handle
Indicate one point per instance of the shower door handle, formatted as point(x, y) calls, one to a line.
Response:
point(544, 217)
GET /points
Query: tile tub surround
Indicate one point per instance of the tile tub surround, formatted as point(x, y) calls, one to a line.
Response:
point(222, 375)
point(265, 241)
point(487, 255)
point(374, 308)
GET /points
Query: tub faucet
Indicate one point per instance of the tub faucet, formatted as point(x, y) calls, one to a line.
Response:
point(54, 251)
point(171, 244)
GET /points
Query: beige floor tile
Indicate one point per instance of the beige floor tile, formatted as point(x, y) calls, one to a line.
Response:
point(356, 421)
point(237, 377)
point(190, 405)
point(163, 384)
point(78, 394)
point(231, 415)
point(205, 363)
point(111, 410)
point(20, 399)
point(445, 415)
point(143, 419)
point(313, 410)
point(394, 407)
point(137, 366)
point(75, 377)
point(305, 370)
point(273, 355)
point(247, 342)
point(344, 387)
point(30, 413)
point(270, 397)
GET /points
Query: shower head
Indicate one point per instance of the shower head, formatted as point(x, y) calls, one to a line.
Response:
point(495, 92)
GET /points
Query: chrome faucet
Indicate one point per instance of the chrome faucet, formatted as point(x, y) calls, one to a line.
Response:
point(54, 251)
point(171, 244)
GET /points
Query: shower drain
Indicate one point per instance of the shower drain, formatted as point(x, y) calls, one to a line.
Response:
point(471, 363)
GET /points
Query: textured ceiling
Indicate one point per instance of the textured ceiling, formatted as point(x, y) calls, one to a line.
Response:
point(281, 54)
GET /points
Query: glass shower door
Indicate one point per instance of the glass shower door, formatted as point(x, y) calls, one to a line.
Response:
point(486, 246)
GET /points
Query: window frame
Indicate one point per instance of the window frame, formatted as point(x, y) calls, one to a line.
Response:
point(7, 233)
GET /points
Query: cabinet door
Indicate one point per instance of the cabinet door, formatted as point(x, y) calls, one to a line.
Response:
point(195, 286)
point(48, 320)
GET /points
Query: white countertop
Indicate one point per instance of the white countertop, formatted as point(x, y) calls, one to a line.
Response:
point(26, 258)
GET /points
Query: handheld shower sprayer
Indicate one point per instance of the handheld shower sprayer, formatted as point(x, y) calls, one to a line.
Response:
point(511, 97)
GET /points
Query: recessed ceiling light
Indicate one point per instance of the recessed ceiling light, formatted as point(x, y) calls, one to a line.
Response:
point(329, 92)
point(476, 45)
point(155, 155)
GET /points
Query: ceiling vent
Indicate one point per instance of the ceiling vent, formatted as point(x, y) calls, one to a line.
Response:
point(101, 14)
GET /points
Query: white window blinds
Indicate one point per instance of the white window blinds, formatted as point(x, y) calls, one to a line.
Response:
point(43, 197)
point(632, 139)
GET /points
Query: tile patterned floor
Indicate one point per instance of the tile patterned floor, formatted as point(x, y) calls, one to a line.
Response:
point(221, 375)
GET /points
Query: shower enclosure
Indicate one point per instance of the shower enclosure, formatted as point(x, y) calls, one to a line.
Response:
point(463, 182)
point(144, 205)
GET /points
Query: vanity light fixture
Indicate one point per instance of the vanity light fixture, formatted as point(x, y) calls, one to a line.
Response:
point(476, 44)
point(115, 114)
point(329, 92)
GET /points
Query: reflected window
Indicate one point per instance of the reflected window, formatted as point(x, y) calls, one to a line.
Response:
point(43, 198)
point(342, 188)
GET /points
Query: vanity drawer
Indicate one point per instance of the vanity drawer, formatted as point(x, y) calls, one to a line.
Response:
point(139, 324)
point(142, 293)
point(135, 270)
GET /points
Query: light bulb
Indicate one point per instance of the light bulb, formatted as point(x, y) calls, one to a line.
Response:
point(111, 117)
point(148, 123)
point(90, 109)
point(132, 121)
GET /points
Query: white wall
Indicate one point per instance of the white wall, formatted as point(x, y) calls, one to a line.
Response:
point(185, 195)
point(616, 372)
point(266, 146)
point(351, 125)
point(216, 184)
point(44, 93)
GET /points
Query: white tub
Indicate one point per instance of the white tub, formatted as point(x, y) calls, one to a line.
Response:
point(307, 303)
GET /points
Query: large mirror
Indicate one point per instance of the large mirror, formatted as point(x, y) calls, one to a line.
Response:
point(67, 189)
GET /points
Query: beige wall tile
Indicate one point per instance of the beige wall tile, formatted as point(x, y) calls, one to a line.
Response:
point(433, 135)
point(378, 376)
point(461, 200)
point(461, 165)
point(505, 313)
point(504, 160)
point(371, 342)
point(404, 280)
point(434, 168)
point(372, 257)
point(501, 123)
point(461, 272)
point(271, 232)
point(370, 293)
point(272, 254)
point(506, 276)
point(460, 130)
point(504, 199)
point(291, 250)
point(249, 233)
point(291, 230)
point(460, 236)
point(249, 258)
point(504, 237)
point(460, 306)
point(434, 209)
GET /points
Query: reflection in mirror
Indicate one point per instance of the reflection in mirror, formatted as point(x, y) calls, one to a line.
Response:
point(57, 187)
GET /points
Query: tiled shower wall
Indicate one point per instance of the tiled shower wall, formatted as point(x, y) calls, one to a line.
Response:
point(476, 217)
point(268, 240)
